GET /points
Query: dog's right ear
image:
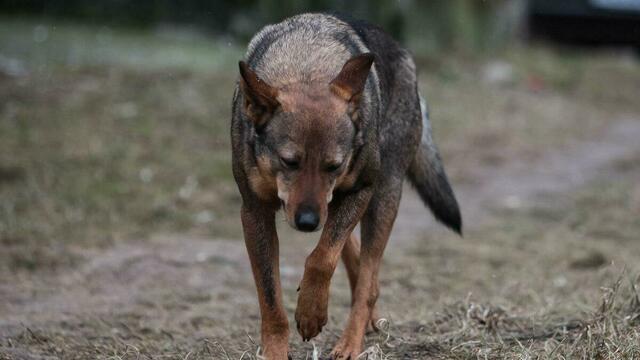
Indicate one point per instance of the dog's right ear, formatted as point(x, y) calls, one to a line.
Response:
point(259, 97)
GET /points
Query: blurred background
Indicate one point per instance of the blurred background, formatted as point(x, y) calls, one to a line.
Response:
point(119, 213)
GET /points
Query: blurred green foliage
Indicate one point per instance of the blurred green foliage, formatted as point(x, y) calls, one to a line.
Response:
point(426, 26)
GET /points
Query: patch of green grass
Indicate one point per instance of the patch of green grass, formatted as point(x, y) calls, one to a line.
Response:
point(106, 148)
point(110, 152)
point(42, 46)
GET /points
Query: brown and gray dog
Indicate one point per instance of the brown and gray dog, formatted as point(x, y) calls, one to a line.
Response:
point(327, 123)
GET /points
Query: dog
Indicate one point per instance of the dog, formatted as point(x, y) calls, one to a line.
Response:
point(326, 124)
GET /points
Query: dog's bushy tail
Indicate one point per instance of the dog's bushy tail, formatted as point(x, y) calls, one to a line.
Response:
point(428, 177)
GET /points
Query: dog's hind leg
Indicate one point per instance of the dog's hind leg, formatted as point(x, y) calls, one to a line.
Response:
point(376, 225)
point(351, 260)
point(261, 240)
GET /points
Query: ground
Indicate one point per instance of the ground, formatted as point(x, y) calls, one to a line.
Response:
point(119, 229)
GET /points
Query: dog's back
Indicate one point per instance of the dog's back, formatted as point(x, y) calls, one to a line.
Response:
point(304, 48)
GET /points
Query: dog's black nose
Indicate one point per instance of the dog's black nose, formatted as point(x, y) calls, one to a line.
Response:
point(307, 220)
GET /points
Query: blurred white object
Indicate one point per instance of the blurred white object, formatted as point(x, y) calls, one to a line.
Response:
point(617, 4)
point(12, 67)
point(498, 72)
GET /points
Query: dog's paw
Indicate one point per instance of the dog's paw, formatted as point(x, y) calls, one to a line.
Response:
point(311, 313)
point(275, 345)
point(347, 349)
point(276, 352)
point(310, 322)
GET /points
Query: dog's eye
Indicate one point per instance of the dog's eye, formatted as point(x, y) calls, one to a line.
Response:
point(333, 167)
point(289, 163)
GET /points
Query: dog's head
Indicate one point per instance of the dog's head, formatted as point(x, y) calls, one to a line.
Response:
point(305, 136)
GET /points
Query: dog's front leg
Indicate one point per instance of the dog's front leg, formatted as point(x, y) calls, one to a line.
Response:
point(344, 214)
point(261, 239)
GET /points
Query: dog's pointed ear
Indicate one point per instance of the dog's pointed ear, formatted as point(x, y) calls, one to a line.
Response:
point(349, 84)
point(259, 97)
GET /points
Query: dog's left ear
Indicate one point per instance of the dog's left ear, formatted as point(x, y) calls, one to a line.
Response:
point(259, 97)
point(349, 84)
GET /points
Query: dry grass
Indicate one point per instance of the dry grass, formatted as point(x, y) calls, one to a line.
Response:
point(470, 330)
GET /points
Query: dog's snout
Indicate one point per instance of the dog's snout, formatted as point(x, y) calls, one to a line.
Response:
point(307, 219)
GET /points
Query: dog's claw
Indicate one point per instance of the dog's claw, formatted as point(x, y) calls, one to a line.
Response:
point(310, 328)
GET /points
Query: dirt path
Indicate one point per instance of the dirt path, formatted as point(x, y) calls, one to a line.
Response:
point(209, 274)
point(516, 183)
